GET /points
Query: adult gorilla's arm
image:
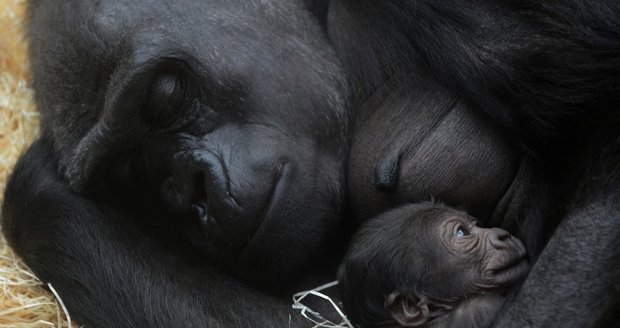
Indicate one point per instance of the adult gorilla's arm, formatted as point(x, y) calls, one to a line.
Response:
point(542, 71)
point(576, 280)
point(223, 117)
point(537, 68)
point(108, 271)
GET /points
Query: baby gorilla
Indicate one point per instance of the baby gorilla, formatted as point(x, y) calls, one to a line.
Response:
point(427, 265)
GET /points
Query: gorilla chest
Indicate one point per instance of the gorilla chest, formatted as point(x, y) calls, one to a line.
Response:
point(418, 144)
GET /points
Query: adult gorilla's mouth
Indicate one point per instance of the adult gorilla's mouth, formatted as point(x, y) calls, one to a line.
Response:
point(237, 232)
point(217, 222)
point(275, 192)
point(275, 195)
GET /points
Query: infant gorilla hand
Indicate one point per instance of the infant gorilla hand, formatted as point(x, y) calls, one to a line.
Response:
point(475, 312)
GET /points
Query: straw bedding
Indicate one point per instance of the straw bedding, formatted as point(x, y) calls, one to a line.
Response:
point(24, 301)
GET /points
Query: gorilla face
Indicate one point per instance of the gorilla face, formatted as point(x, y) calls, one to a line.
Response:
point(234, 118)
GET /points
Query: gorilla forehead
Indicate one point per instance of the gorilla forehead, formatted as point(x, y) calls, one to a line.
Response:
point(271, 53)
point(231, 38)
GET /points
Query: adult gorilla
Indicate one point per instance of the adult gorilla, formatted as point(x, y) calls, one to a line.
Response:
point(508, 109)
point(225, 117)
point(210, 106)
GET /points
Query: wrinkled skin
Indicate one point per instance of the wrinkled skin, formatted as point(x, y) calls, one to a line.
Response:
point(242, 97)
point(507, 110)
point(423, 264)
point(486, 258)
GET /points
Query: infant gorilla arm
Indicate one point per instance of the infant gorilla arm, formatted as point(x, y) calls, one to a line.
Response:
point(474, 312)
point(428, 265)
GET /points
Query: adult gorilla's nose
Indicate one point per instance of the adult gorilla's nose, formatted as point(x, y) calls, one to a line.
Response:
point(198, 189)
point(199, 182)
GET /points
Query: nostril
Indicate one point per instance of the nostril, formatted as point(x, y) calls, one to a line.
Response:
point(501, 234)
point(386, 173)
point(200, 210)
point(198, 177)
point(498, 237)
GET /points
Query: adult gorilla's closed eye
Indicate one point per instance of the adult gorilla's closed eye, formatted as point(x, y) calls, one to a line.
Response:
point(226, 117)
point(238, 119)
point(219, 108)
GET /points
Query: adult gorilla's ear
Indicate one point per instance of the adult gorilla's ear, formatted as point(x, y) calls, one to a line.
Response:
point(408, 310)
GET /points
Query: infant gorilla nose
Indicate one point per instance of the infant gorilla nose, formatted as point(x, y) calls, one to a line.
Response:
point(499, 238)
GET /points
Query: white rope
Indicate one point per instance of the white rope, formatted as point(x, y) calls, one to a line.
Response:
point(315, 317)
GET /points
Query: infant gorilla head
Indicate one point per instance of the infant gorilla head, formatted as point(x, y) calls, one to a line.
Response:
point(426, 264)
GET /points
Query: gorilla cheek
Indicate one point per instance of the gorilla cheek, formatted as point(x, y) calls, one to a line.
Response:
point(254, 201)
point(304, 207)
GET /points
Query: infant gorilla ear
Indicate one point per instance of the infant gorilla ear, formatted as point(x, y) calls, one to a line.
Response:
point(427, 258)
point(474, 312)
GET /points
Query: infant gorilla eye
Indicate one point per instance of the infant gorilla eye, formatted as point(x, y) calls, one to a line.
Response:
point(461, 231)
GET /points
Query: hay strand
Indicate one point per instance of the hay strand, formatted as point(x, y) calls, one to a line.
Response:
point(314, 316)
point(24, 301)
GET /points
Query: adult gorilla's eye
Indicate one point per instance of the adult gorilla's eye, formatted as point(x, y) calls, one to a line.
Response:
point(165, 99)
point(461, 231)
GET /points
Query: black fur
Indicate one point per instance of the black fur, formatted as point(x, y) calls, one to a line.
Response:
point(171, 127)
point(252, 91)
point(113, 266)
point(408, 265)
point(509, 110)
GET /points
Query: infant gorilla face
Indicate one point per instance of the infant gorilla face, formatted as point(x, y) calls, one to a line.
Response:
point(482, 259)
point(414, 264)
